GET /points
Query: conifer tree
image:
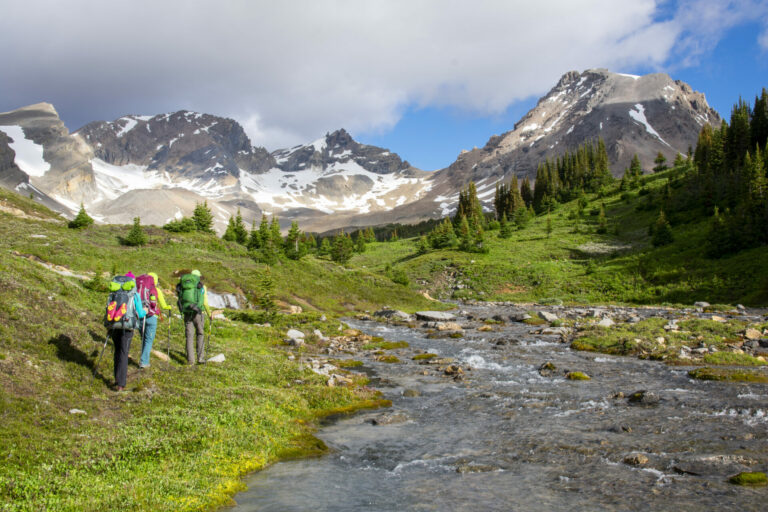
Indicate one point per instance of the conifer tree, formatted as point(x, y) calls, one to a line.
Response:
point(81, 220)
point(661, 231)
point(254, 240)
point(759, 123)
point(203, 217)
point(241, 232)
point(229, 234)
point(526, 193)
point(602, 222)
point(295, 249)
point(275, 235)
point(423, 245)
point(342, 248)
point(266, 299)
point(359, 242)
point(325, 247)
point(264, 233)
point(661, 163)
point(136, 236)
point(720, 239)
point(505, 230)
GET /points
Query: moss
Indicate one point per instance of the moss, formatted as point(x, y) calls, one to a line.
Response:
point(388, 359)
point(727, 374)
point(456, 335)
point(346, 363)
point(384, 345)
point(577, 376)
point(423, 357)
point(749, 478)
point(535, 321)
point(733, 358)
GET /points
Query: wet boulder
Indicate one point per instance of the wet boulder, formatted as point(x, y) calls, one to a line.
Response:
point(644, 397)
point(546, 315)
point(390, 418)
point(520, 316)
point(636, 459)
point(547, 369)
point(435, 316)
point(393, 314)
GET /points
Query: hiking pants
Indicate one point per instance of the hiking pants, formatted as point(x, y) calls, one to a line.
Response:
point(195, 324)
point(147, 337)
point(122, 340)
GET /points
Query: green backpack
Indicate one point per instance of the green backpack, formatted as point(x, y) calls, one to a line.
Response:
point(190, 294)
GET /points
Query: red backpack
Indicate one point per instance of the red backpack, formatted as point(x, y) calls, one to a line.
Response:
point(145, 287)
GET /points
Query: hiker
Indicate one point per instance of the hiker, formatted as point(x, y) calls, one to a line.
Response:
point(124, 314)
point(153, 301)
point(192, 301)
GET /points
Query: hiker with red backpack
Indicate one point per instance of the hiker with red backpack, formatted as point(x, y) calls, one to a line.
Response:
point(124, 314)
point(193, 301)
point(153, 301)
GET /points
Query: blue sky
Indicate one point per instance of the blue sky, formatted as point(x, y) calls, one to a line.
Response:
point(431, 138)
point(424, 78)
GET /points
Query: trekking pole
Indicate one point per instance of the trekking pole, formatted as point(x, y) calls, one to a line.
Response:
point(98, 361)
point(168, 351)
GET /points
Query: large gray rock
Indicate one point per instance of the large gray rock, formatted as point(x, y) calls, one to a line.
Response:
point(294, 337)
point(435, 316)
point(393, 314)
point(546, 315)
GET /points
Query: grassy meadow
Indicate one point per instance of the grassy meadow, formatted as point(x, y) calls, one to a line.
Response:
point(575, 264)
point(180, 437)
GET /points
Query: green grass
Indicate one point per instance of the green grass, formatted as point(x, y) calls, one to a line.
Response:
point(728, 374)
point(585, 267)
point(180, 437)
point(733, 359)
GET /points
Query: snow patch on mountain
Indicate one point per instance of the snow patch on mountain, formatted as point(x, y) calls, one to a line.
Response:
point(29, 155)
point(639, 116)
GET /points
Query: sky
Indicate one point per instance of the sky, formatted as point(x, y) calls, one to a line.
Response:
point(423, 78)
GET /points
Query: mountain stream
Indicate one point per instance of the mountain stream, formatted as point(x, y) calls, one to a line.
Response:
point(505, 437)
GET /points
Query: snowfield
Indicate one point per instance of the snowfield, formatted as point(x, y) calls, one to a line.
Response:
point(29, 156)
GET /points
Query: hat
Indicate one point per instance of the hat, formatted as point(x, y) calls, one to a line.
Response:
point(130, 274)
point(195, 273)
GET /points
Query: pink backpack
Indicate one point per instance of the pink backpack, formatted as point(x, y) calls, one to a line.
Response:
point(145, 286)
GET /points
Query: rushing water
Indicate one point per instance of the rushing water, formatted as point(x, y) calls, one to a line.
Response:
point(507, 438)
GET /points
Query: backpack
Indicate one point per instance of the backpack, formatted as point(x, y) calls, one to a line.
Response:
point(145, 287)
point(121, 310)
point(190, 294)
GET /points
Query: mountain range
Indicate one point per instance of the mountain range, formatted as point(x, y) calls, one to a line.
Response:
point(158, 167)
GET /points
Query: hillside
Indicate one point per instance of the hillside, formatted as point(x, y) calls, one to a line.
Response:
point(576, 265)
point(181, 436)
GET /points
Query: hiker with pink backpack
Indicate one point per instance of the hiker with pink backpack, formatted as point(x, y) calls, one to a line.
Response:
point(153, 300)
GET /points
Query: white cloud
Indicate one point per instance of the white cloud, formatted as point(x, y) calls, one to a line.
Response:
point(290, 71)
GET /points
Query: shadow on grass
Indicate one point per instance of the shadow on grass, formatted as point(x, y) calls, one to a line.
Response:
point(67, 351)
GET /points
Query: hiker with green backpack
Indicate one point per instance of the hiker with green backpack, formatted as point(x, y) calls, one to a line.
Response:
point(124, 313)
point(193, 301)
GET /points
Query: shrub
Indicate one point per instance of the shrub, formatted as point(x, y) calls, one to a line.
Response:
point(82, 220)
point(183, 225)
point(137, 236)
